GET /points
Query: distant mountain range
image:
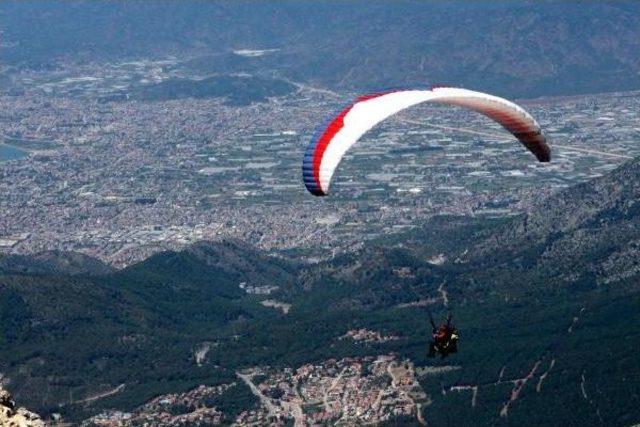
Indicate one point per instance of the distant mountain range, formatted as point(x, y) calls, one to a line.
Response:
point(518, 49)
point(554, 291)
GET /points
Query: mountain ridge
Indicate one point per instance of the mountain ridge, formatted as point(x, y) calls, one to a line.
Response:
point(594, 227)
point(528, 49)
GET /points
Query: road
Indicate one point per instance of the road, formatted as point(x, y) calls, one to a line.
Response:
point(102, 395)
point(333, 385)
point(263, 399)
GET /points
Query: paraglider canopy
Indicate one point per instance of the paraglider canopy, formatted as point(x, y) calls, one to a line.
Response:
point(329, 145)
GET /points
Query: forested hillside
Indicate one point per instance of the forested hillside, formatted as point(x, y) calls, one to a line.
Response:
point(534, 334)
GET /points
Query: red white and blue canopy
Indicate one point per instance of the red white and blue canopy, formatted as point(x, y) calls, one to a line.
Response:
point(330, 144)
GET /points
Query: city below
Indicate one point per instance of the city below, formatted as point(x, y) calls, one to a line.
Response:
point(122, 179)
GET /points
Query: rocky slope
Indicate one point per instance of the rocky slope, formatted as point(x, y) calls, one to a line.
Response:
point(593, 228)
point(12, 416)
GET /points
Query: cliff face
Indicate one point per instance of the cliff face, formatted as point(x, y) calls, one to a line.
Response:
point(590, 230)
point(11, 416)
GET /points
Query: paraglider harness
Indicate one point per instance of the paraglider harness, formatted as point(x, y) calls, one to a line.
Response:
point(444, 339)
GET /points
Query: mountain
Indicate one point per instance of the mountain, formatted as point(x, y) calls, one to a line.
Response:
point(594, 227)
point(547, 305)
point(52, 263)
point(238, 90)
point(79, 335)
point(227, 263)
point(522, 48)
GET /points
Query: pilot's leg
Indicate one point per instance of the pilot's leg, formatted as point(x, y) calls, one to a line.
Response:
point(432, 349)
